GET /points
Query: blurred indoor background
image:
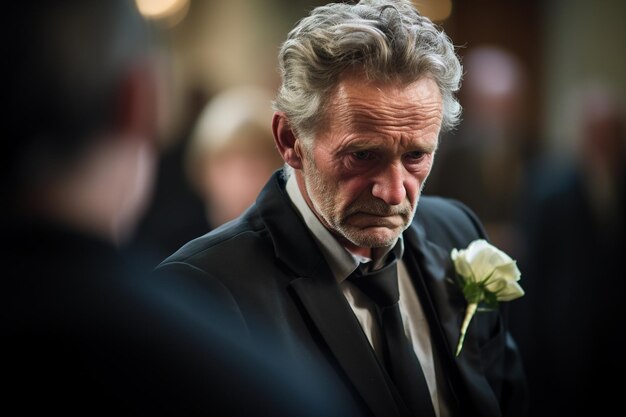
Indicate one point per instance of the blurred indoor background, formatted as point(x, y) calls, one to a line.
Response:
point(539, 155)
point(528, 66)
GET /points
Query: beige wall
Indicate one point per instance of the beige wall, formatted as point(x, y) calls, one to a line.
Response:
point(584, 41)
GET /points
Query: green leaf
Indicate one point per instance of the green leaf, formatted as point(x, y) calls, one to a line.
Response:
point(490, 299)
point(473, 292)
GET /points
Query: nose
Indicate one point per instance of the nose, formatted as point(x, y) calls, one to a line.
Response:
point(389, 185)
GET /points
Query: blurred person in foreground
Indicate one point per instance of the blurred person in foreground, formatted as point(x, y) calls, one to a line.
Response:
point(575, 238)
point(232, 153)
point(366, 91)
point(87, 329)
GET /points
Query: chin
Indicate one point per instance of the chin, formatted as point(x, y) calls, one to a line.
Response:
point(372, 238)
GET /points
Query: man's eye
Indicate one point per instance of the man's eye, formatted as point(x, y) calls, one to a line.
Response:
point(415, 155)
point(362, 155)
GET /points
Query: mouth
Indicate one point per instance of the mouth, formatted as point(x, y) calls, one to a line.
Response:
point(390, 221)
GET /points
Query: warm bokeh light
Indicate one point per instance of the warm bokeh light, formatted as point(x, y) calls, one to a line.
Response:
point(435, 10)
point(169, 12)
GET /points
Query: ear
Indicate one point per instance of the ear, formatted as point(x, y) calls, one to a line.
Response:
point(286, 140)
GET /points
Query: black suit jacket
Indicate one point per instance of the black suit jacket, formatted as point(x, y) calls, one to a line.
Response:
point(268, 266)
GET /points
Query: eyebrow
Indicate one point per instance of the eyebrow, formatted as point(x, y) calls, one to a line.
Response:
point(361, 144)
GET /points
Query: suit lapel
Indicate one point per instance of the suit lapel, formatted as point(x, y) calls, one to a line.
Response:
point(432, 270)
point(321, 299)
point(332, 316)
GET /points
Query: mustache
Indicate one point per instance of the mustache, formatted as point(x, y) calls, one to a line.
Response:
point(378, 207)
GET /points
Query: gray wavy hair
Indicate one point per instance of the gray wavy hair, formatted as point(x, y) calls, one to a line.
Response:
point(387, 39)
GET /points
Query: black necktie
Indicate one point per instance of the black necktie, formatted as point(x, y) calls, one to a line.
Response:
point(381, 286)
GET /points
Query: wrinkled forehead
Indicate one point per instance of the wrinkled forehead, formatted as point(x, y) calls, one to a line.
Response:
point(355, 99)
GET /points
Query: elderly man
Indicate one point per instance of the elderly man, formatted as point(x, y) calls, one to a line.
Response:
point(366, 91)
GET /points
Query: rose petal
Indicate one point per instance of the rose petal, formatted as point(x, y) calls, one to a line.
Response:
point(511, 291)
point(484, 257)
point(508, 272)
point(460, 264)
point(474, 249)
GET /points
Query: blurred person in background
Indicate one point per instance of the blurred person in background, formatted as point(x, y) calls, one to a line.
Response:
point(569, 326)
point(232, 153)
point(175, 212)
point(366, 91)
point(86, 330)
point(483, 162)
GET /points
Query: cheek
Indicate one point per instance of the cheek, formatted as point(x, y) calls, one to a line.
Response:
point(425, 170)
point(354, 188)
point(417, 178)
point(413, 187)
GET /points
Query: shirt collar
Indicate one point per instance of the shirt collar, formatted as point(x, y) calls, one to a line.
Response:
point(341, 261)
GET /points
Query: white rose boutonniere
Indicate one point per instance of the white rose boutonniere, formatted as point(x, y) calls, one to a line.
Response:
point(486, 276)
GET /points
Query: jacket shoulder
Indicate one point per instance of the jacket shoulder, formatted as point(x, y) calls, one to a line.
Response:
point(448, 221)
point(241, 232)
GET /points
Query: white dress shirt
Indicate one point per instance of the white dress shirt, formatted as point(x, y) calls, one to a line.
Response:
point(342, 263)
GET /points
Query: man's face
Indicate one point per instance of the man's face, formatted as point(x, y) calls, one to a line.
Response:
point(366, 167)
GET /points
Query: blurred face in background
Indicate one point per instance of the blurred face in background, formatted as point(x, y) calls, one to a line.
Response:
point(233, 177)
point(232, 152)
